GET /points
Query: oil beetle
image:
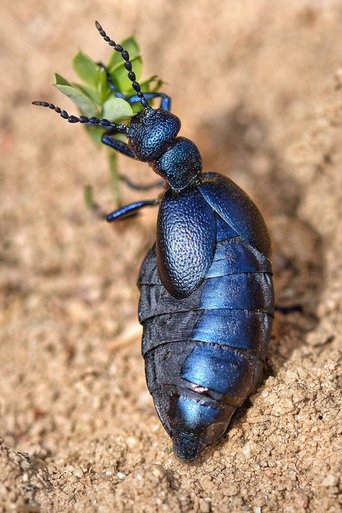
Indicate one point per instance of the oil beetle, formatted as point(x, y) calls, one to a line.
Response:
point(207, 299)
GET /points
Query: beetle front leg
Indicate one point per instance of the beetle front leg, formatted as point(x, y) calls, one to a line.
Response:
point(123, 148)
point(165, 103)
point(131, 209)
point(138, 187)
point(110, 82)
point(117, 145)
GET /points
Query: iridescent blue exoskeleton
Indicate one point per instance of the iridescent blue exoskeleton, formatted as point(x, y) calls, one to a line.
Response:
point(206, 285)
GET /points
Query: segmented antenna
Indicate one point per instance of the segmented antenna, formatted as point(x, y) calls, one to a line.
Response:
point(128, 64)
point(82, 119)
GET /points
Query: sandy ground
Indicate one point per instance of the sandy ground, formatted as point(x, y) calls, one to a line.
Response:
point(258, 86)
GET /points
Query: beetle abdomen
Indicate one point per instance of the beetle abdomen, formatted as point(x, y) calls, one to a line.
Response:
point(204, 354)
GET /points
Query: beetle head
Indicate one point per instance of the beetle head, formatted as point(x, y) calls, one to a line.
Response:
point(151, 131)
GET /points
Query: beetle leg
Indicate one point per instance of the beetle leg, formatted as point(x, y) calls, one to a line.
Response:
point(123, 148)
point(110, 82)
point(138, 187)
point(131, 209)
point(165, 102)
point(117, 145)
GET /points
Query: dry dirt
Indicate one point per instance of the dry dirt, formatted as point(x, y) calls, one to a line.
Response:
point(258, 86)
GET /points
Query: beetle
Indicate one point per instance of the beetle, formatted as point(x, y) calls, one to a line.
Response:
point(207, 300)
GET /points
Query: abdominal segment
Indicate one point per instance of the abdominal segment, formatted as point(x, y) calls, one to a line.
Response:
point(204, 354)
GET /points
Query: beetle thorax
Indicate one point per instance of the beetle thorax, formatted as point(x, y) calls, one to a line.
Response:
point(181, 163)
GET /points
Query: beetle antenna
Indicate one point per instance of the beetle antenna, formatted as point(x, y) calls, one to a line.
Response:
point(82, 119)
point(128, 64)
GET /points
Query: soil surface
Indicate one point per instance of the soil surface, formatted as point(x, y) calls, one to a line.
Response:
point(258, 86)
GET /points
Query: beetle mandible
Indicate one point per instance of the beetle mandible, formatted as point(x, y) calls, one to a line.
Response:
point(207, 299)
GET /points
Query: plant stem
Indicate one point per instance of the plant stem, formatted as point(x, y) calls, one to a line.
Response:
point(115, 178)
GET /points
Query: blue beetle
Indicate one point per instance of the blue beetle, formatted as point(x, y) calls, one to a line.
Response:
point(207, 301)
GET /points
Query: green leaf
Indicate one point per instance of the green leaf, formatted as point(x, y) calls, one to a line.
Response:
point(89, 91)
point(116, 108)
point(86, 106)
point(101, 84)
point(115, 178)
point(152, 85)
point(85, 68)
point(59, 80)
point(95, 134)
point(137, 107)
point(131, 46)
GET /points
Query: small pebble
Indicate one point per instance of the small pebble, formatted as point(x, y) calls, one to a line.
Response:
point(330, 480)
point(249, 449)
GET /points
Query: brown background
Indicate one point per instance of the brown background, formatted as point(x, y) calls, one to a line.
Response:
point(258, 86)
